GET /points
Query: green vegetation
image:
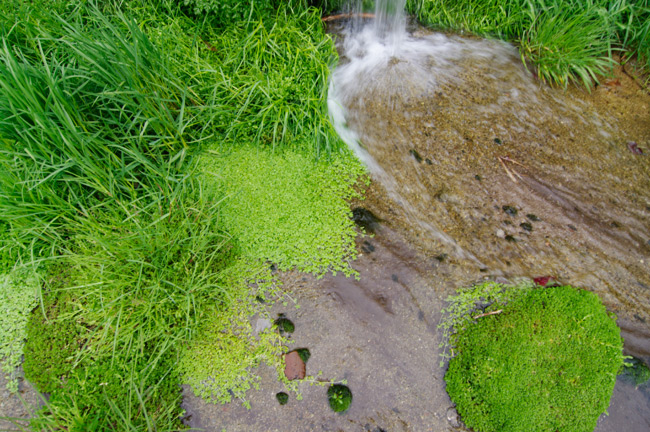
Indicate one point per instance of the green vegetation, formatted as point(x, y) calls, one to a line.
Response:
point(301, 219)
point(565, 40)
point(541, 385)
point(18, 296)
point(339, 397)
point(157, 159)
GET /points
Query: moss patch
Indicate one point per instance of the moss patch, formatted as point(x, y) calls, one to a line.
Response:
point(548, 362)
point(286, 208)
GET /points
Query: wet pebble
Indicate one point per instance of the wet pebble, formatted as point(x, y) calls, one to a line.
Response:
point(510, 238)
point(394, 277)
point(284, 325)
point(294, 366)
point(416, 155)
point(572, 227)
point(282, 398)
point(532, 217)
point(497, 141)
point(510, 210)
point(526, 226)
point(367, 247)
point(365, 219)
point(453, 418)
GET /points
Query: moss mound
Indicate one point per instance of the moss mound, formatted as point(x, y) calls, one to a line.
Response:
point(548, 362)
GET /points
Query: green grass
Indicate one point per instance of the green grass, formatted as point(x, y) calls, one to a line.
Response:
point(103, 112)
point(548, 362)
point(565, 41)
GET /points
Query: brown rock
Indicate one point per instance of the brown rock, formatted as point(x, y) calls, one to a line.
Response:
point(294, 367)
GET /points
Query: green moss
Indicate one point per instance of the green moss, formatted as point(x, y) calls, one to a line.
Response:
point(286, 208)
point(339, 397)
point(18, 296)
point(218, 364)
point(548, 362)
point(51, 344)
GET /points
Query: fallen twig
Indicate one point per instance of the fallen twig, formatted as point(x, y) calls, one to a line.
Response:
point(488, 313)
point(347, 15)
point(510, 171)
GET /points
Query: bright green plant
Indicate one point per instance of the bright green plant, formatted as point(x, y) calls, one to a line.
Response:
point(475, 300)
point(547, 362)
point(286, 208)
point(218, 364)
point(18, 296)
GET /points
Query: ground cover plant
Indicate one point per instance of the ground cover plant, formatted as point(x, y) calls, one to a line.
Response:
point(561, 374)
point(564, 40)
point(108, 112)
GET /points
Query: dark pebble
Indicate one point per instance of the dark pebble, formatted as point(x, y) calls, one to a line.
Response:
point(526, 226)
point(497, 141)
point(284, 325)
point(573, 228)
point(367, 247)
point(416, 155)
point(421, 315)
point(428, 161)
point(615, 224)
point(365, 219)
point(282, 398)
point(533, 217)
point(510, 238)
point(394, 277)
point(442, 257)
point(478, 177)
point(510, 210)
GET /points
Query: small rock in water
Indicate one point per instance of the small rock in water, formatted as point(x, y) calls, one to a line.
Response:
point(634, 148)
point(533, 217)
point(416, 155)
point(442, 257)
point(367, 247)
point(365, 219)
point(294, 366)
point(510, 238)
point(282, 398)
point(284, 325)
point(452, 417)
point(510, 210)
point(526, 226)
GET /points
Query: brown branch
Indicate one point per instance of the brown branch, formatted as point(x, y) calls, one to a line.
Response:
point(488, 313)
point(347, 15)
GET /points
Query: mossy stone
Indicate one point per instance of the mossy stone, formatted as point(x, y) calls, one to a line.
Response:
point(339, 397)
point(548, 362)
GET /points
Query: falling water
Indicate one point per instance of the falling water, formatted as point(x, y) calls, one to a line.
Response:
point(453, 129)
